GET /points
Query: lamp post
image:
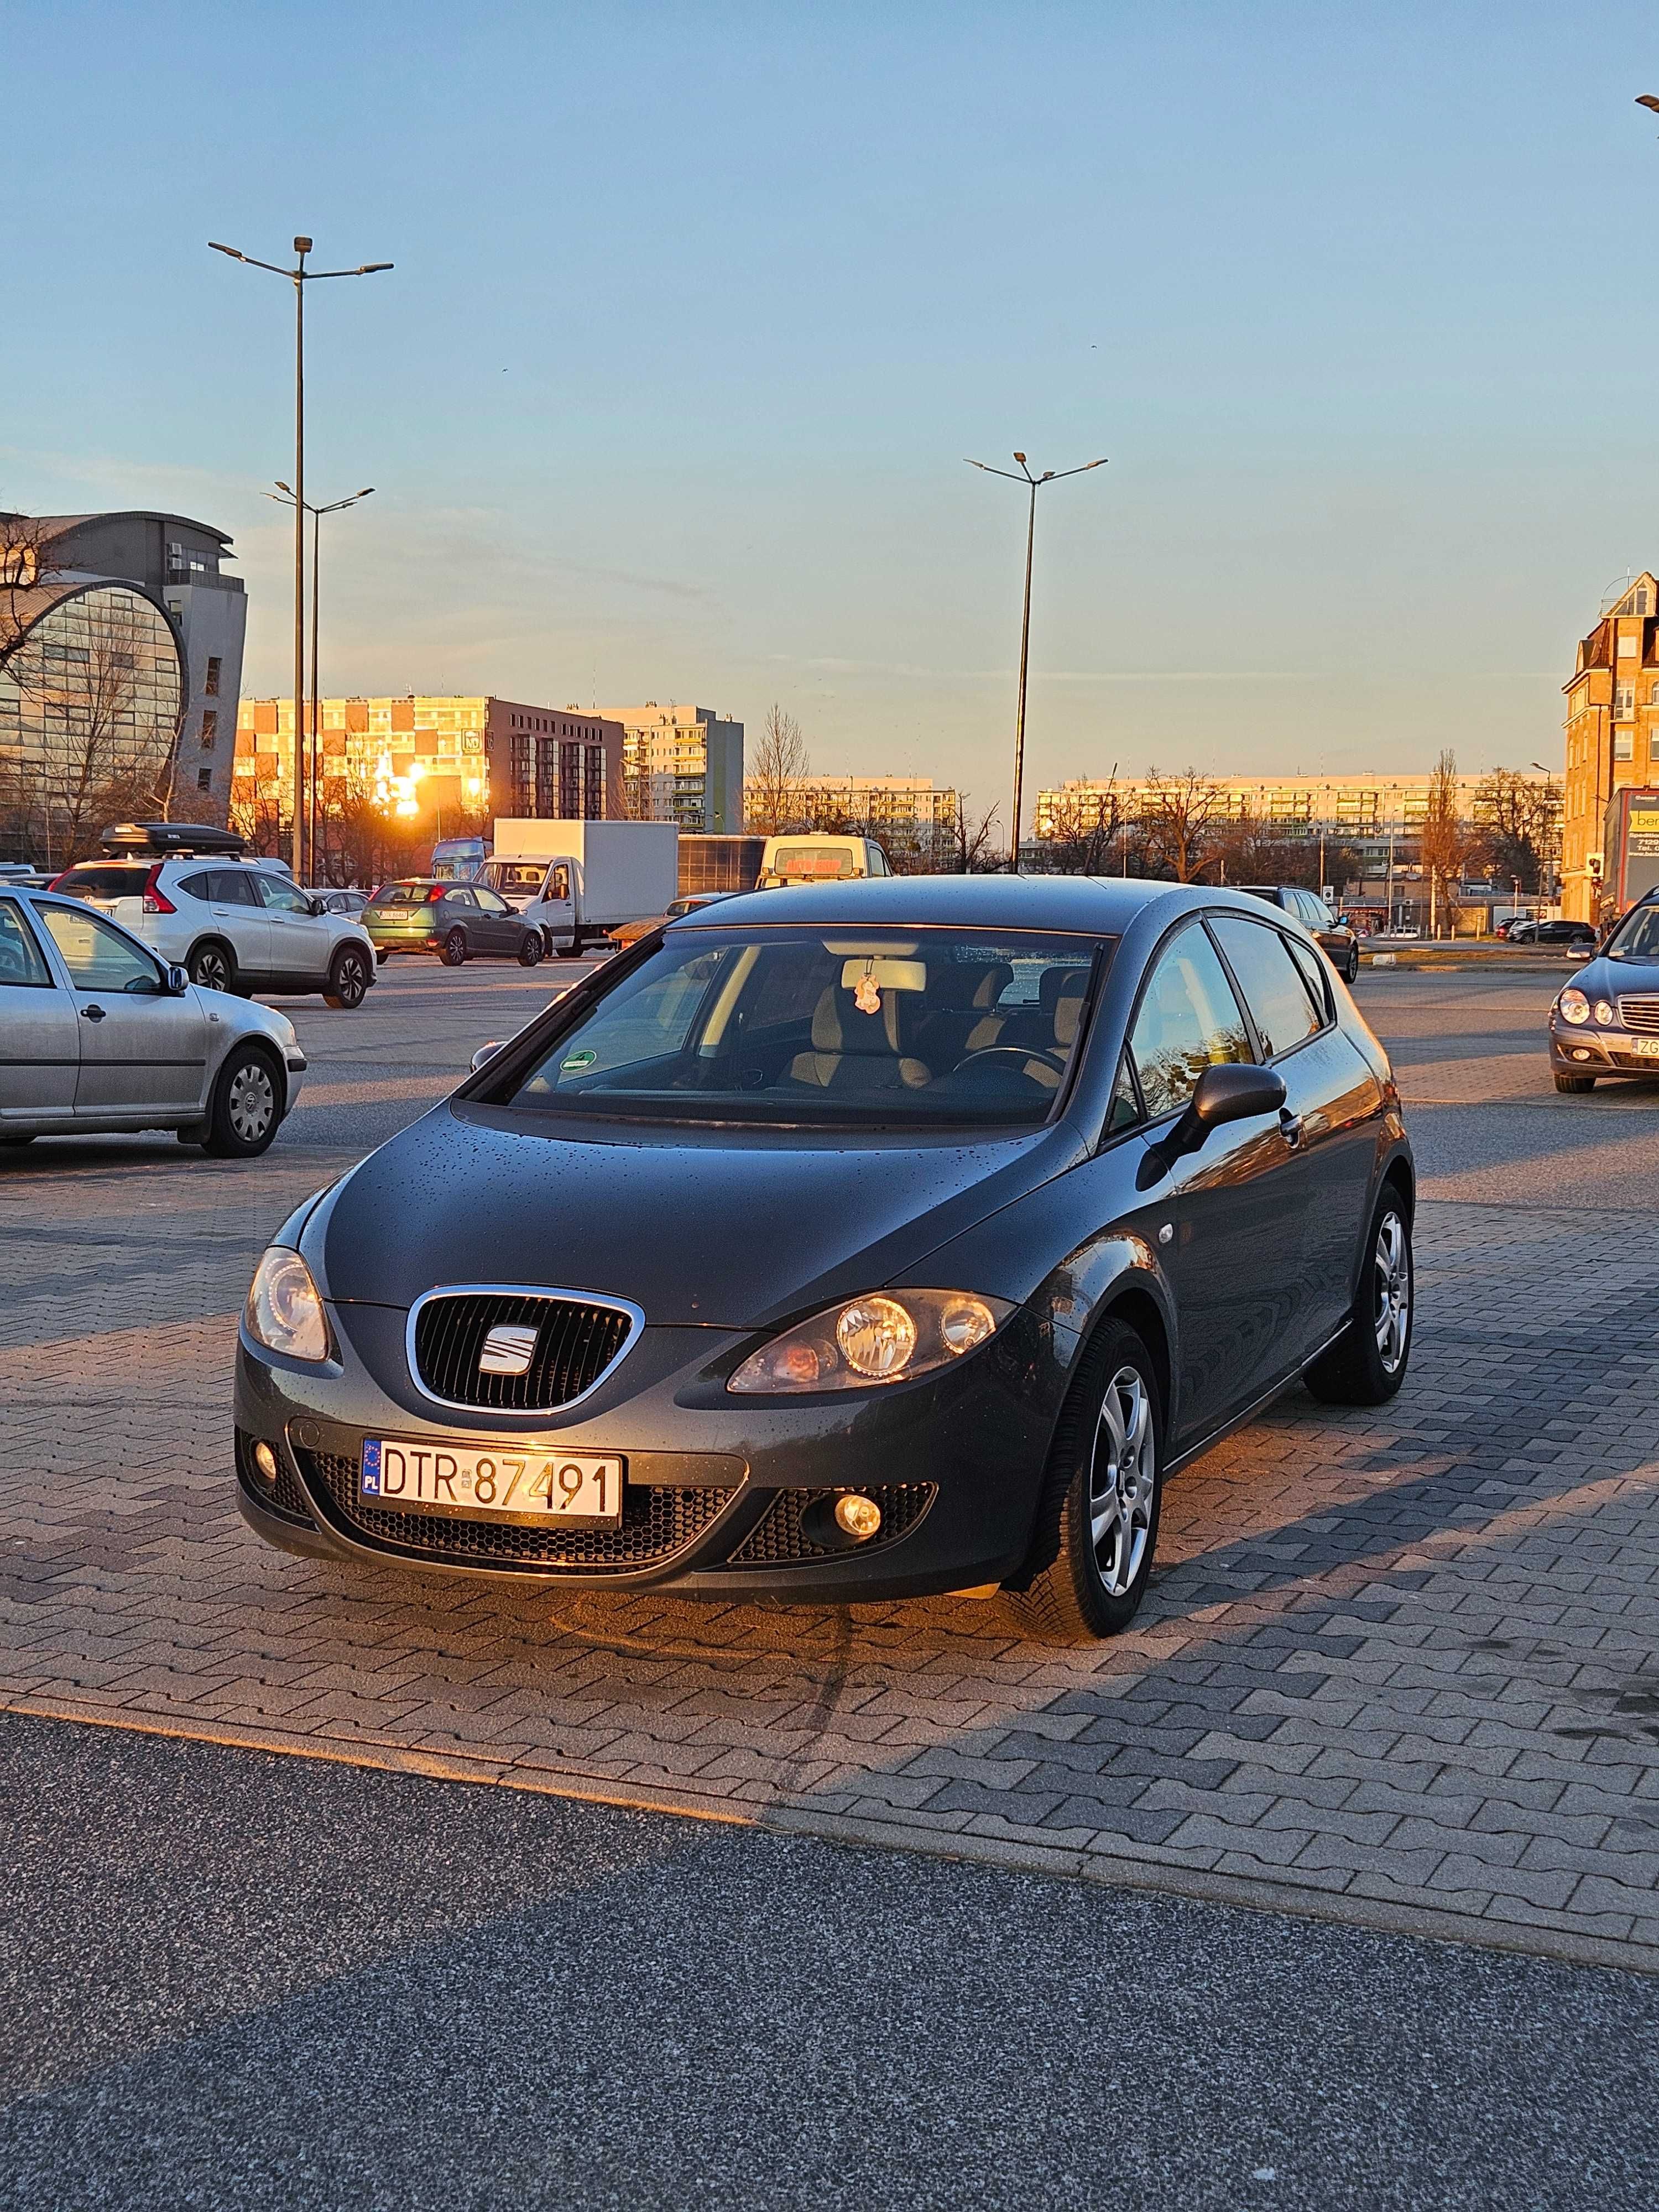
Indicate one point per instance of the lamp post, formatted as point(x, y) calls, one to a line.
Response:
point(1048, 475)
point(299, 276)
point(285, 496)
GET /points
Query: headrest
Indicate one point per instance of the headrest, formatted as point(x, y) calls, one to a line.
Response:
point(838, 1026)
point(994, 981)
point(1068, 1007)
point(1055, 983)
point(951, 990)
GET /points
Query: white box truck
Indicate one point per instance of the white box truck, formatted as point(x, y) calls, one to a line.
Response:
point(578, 881)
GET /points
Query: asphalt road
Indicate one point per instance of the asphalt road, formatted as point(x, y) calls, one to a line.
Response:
point(236, 1980)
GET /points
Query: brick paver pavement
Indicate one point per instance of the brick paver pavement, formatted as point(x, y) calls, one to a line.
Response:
point(1397, 1667)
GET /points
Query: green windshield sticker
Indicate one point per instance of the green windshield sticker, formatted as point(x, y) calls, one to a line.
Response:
point(581, 1060)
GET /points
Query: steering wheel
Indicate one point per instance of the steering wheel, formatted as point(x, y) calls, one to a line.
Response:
point(1019, 1052)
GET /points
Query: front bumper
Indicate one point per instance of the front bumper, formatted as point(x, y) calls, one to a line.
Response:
point(723, 1496)
point(1589, 1050)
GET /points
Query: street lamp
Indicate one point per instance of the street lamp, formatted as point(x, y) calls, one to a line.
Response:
point(299, 276)
point(1048, 475)
point(285, 496)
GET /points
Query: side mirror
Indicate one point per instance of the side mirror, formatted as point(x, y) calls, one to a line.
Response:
point(1229, 1093)
point(485, 1052)
point(320, 906)
point(177, 983)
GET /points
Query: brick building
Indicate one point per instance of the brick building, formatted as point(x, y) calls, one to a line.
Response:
point(1612, 735)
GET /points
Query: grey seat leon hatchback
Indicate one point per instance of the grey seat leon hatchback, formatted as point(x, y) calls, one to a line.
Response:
point(867, 1240)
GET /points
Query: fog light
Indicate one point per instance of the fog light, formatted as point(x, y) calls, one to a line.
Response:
point(266, 1460)
point(858, 1516)
point(1579, 1053)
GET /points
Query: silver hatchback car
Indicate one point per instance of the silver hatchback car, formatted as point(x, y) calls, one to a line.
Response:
point(97, 1034)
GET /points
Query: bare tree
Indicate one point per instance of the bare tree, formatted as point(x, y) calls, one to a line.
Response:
point(1085, 833)
point(1181, 817)
point(1448, 841)
point(27, 562)
point(1520, 816)
point(772, 797)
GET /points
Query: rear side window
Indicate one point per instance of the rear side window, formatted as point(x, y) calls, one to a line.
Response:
point(20, 956)
point(460, 898)
point(1272, 982)
point(196, 887)
point(1189, 1020)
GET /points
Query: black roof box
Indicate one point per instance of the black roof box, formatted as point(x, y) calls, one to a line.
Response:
point(169, 839)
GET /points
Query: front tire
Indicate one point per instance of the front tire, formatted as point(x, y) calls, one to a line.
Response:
point(212, 966)
point(454, 951)
point(347, 979)
point(573, 949)
point(1576, 1083)
point(248, 1109)
point(1352, 975)
point(1096, 1530)
point(530, 953)
point(1367, 1363)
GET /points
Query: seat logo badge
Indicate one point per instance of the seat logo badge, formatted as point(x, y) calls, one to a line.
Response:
point(508, 1350)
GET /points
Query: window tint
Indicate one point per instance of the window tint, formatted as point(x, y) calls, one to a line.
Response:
point(98, 957)
point(116, 880)
point(282, 897)
point(20, 956)
point(1271, 981)
point(1314, 972)
point(233, 887)
point(198, 887)
point(1189, 1020)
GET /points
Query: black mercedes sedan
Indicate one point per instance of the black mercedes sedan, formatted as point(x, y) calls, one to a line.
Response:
point(1605, 1020)
point(867, 1240)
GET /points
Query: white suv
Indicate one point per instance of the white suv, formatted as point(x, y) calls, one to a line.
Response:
point(231, 925)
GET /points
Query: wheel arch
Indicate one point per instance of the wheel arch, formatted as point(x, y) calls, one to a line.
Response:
point(220, 943)
point(1133, 1303)
point(254, 1041)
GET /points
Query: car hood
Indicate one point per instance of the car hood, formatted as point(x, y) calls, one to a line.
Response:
point(707, 1228)
point(1602, 978)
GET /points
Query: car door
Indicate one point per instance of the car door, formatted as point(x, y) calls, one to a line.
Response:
point(554, 911)
point(142, 1049)
point(1235, 1262)
point(40, 1032)
point(301, 942)
point(504, 929)
point(1332, 1101)
point(458, 905)
point(236, 907)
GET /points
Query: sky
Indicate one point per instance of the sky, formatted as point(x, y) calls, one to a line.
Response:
point(697, 310)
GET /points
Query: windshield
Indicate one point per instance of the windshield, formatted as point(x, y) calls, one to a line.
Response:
point(803, 860)
point(1636, 937)
point(827, 1028)
point(510, 875)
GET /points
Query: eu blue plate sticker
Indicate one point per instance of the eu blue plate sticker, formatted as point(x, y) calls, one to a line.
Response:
point(371, 1487)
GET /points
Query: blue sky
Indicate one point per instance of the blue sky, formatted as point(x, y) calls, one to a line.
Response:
point(697, 309)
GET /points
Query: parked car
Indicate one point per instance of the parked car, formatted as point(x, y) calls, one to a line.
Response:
point(1604, 1021)
point(1568, 936)
point(1339, 940)
point(232, 925)
point(458, 921)
point(629, 933)
point(854, 1241)
point(97, 1034)
point(819, 856)
point(347, 902)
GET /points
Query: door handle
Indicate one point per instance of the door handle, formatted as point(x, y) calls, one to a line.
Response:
point(91, 1014)
point(1289, 1127)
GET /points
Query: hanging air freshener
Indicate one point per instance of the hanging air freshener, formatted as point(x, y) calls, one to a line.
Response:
point(867, 992)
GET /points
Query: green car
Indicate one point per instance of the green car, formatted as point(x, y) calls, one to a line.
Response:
point(458, 921)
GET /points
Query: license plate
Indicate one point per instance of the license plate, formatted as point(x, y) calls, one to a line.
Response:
point(1645, 1048)
point(510, 1481)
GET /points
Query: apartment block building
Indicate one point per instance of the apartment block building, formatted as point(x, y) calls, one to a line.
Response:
point(1611, 736)
point(441, 759)
point(905, 808)
point(682, 764)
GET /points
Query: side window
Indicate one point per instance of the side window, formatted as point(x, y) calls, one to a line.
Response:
point(283, 898)
point(20, 956)
point(98, 957)
point(198, 887)
point(1125, 1109)
point(1189, 1020)
point(232, 887)
point(1274, 990)
point(558, 885)
point(489, 902)
point(460, 897)
point(1313, 974)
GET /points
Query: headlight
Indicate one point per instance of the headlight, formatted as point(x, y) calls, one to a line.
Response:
point(886, 1336)
point(1604, 1012)
point(1574, 1007)
point(284, 1308)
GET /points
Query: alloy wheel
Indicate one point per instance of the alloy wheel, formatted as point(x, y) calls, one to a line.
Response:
point(1122, 1478)
point(211, 969)
point(1393, 1265)
point(252, 1102)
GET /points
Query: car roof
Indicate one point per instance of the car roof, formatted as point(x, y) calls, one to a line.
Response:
point(1091, 905)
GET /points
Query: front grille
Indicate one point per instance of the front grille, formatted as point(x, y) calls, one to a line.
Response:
point(657, 1522)
point(1640, 1014)
point(778, 1539)
point(284, 1497)
point(575, 1343)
